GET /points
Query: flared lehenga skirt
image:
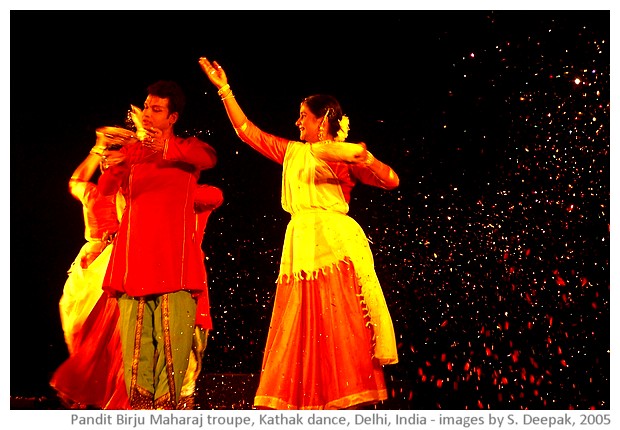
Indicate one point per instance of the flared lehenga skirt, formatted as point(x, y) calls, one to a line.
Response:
point(93, 375)
point(81, 292)
point(321, 350)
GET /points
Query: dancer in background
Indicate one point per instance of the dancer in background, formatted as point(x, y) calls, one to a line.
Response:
point(207, 198)
point(330, 331)
point(89, 376)
point(101, 219)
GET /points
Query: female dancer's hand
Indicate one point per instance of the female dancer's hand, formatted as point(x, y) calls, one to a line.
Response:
point(111, 158)
point(214, 72)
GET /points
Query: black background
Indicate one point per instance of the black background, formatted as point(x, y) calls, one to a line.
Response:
point(489, 302)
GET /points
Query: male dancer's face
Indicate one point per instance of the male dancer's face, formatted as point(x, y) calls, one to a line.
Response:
point(156, 113)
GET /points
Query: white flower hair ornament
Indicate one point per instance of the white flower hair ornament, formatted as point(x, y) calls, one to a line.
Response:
point(342, 134)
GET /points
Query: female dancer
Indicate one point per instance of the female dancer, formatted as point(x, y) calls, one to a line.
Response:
point(330, 330)
point(101, 219)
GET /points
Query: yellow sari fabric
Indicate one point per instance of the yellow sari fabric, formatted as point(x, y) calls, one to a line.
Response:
point(321, 235)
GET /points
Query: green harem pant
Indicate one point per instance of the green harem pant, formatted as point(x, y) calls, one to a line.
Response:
point(156, 336)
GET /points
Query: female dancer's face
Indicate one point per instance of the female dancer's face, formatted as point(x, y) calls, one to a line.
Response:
point(308, 125)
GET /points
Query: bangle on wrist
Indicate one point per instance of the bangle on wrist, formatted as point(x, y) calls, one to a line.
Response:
point(98, 150)
point(223, 89)
point(230, 95)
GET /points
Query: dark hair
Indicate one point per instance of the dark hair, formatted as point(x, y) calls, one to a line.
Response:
point(319, 104)
point(169, 90)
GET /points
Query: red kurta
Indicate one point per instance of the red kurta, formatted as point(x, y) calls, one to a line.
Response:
point(165, 254)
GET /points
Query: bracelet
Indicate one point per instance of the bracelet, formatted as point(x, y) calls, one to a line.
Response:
point(221, 90)
point(230, 95)
point(223, 96)
point(369, 159)
point(98, 150)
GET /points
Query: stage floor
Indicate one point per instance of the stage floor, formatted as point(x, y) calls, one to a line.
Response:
point(227, 391)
